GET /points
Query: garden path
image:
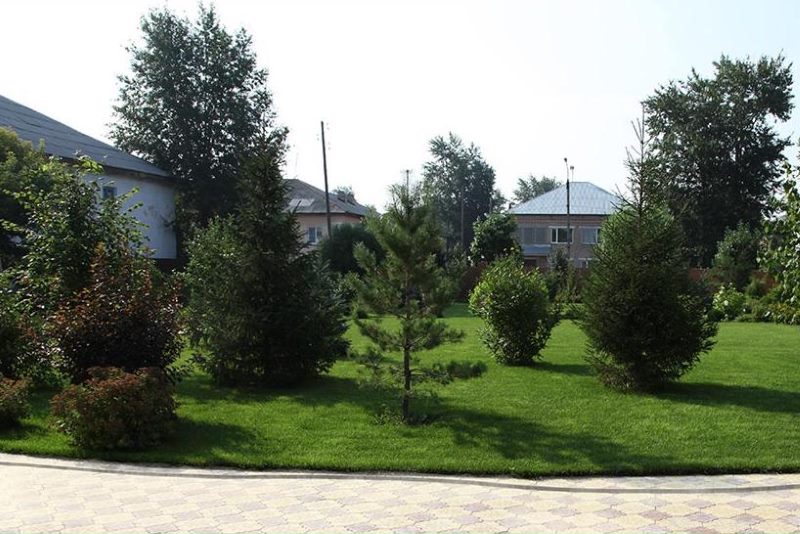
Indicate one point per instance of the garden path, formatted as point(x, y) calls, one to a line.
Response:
point(49, 495)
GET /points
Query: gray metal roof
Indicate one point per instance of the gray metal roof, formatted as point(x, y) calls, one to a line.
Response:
point(585, 198)
point(65, 142)
point(305, 198)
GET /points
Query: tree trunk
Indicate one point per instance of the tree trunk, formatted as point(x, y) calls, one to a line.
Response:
point(407, 383)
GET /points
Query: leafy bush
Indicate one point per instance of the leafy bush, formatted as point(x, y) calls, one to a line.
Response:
point(117, 410)
point(337, 250)
point(494, 237)
point(13, 401)
point(12, 337)
point(119, 320)
point(515, 308)
point(646, 321)
point(267, 312)
point(737, 257)
point(729, 304)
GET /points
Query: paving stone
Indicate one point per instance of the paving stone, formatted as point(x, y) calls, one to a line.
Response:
point(118, 499)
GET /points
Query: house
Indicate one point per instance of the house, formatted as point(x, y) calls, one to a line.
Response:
point(122, 172)
point(308, 204)
point(542, 222)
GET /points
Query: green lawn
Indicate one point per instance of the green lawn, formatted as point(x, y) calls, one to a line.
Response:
point(737, 411)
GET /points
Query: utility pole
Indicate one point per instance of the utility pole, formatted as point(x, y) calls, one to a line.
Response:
point(408, 174)
point(569, 228)
point(325, 172)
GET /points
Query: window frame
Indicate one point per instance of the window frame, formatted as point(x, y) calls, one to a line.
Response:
point(554, 231)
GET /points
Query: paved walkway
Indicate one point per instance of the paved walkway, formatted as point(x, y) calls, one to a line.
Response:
point(44, 495)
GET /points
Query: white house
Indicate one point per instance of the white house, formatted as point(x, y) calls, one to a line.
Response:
point(121, 171)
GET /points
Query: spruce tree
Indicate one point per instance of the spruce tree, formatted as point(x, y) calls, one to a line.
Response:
point(408, 285)
point(646, 321)
point(266, 310)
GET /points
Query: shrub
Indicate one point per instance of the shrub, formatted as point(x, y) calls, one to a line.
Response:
point(729, 304)
point(516, 311)
point(268, 312)
point(494, 237)
point(119, 320)
point(646, 321)
point(117, 410)
point(13, 401)
point(12, 337)
point(337, 250)
point(737, 257)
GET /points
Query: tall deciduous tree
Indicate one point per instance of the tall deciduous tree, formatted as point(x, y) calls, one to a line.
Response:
point(531, 186)
point(460, 185)
point(717, 147)
point(782, 256)
point(196, 104)
point(408, 285)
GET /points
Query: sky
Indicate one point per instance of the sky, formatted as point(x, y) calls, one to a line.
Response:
point(529, 82)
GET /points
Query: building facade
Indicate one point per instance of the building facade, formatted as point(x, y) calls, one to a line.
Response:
point(542, 223)
point(122, 172)
point(308, 204)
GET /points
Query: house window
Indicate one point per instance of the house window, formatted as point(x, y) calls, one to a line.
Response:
point(590, 236)
point(585, 263)
point(533, 235)
point(314, 235)
point(559, 234)
point(108, 192)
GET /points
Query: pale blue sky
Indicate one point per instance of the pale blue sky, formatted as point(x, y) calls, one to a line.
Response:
point(529, 82)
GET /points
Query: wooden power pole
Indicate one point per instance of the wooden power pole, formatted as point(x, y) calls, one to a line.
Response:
point(325, 172)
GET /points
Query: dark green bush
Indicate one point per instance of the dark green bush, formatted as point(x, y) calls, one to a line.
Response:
point(119, 320)
point(337, 250)
point(517, 313)
point(13, 341)
point(737, 257)
point(117, 410)
point(13, 401)
point(646, 321)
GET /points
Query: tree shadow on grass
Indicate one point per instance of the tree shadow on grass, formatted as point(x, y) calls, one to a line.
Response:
point(753, 397)
point(576, 369)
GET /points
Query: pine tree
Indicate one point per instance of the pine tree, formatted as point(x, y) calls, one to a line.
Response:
point(408, 285)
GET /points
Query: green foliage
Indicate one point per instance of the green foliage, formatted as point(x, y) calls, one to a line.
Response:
point(14, 403)
point(782, 257)
point(21, 168)
point(13, 341)
point(120, 319)
point(408, 285)
point(646, 322)
point(494, 237)
point(728, 303)
point(737, 257)
point(531, 187)
point(195, 104)
point(516, 311)
point(457, 176)
point(561, 279)
point(65, 226)
point(717, 148)
point(337, 250)
point(117, 410)
point(268, 312)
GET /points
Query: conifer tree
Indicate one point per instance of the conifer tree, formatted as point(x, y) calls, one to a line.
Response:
point(408, 285)
point(646, 321)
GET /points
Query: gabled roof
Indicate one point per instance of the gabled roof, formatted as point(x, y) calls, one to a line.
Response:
point(305, 198)
point(65, 142)
point(585, 198)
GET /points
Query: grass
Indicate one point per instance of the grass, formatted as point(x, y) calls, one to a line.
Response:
point(737, 411)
